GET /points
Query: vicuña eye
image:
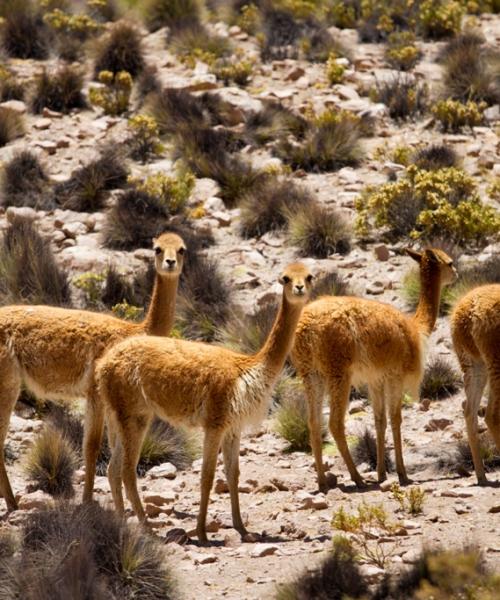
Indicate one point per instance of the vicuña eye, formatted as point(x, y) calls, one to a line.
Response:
point(309, 278)
point(181, 250)
point(157, 250)
point(286, 279)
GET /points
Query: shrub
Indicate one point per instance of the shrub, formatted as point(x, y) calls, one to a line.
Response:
point(434, 157)
point(233, 71)
point(174, 14)
point(11, 88)
point(441, 380)
point(337, 577)
point(114, 94)
point(70, 31)
point(427, 204)
point(319, 231)
point(172, 191)
point(51, 463)
point(439, 19)
point(60, 90)
point(144, 141)
point(453, 115)
point(330, 142)
point(247, 333)
point(24, 182)
point(403, 96)
point(205, 300)
point(280, 33)
point(331, 284)
point(70, 551)
point(23, 33)
point(364, 450)
point(460, 460)
point(28, 271)
point(148, 82)
point(411, 293)
point(197, 43)
point(318, 45)
point(273, 122)
point(470, 71)
point(85, 190)
point(120, 50)
point(334, 70)
point(11, 125)
point(266, 207)
point(401, 52)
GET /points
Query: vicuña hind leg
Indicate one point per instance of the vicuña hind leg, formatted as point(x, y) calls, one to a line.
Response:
point(314, 389)
point(376, 393)
point(10, 386)
point(492, 416)
point(475, 377)
point(93, 433)
point(339, 388)
point(115, 466)
point(211, 445)
point(231, 451)
point(394, 395)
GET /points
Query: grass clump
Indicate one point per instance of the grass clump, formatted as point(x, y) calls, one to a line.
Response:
point(429, 204)
point(267, 206)
point(273, 122)
point(23, 34)
point(113, 96)
point(172, 191)
point(70, 551)
point(401, 52)
point(441, 380)
point(455, 115)
point(11, 88)
point(174, 14)
point(87, 187)
point(11, 125)
point(334, 70)
point(330, 142)
point(331, 284)
point(247, 333)
point(434, 157)
point(28, 271)
point(144, 141)
point(51, 463)
point(319, 231)
point(24, 182)
point(404, 97)
point(233, 71)
point(60, 90)
point(120, 50)
point(410, 500)
point(460, 460)
point(194, 44)
point(364, 450)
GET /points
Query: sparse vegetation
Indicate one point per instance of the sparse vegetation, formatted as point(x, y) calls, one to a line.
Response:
point(401, 52)
point(441, 380)
point(334, 70)
point(175, 14)
point(434, 157)
point(51, 463)
point(172, 191)
point(454, 115)
point(28, 271)
point(273, 122)
point(247, 333)
point(331, 284)
point(410, 500)
point(113, 95)
point(460, 459)
point(11, 87)
point(120, 50)
point(23, 33)
point(11, 125)
point(364, 450)
point(144, 141)
point(194, 44)
point(237, 71)
point(319, 231)
point(24, 182)
point(60, 90)
point(403, 95)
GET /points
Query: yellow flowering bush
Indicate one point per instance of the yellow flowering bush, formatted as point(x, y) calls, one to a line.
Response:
point(238, 71)
point(401, 52)
point(129, 312)
point(424, 204)
point(249, 18)
point(173, 192)
point(440, 19)
point(144, 140)
point(454, 115)
point(114, 96)
point(334, 71)
point(80, 25)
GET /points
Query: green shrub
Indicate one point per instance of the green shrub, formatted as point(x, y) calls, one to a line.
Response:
point(401, 52)
point(440, 19)
point(334, 70)
point(441, 380)
point(11, 125)
point(114, 94)
point(319, 231)
point(427, 204)
point(51, 463)
point(453, 115)
point(403, 96)
point(172, 191)
point(70, 31)
point(194, 44)
point(233, 71)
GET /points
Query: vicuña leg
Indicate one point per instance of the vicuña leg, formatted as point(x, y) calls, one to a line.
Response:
point(10, 386)
point(211, 445)
point(92, 441)
point(492, 416)
point(475, 377)
point(394, 395)
point(231, 451)
point(376, 393)
point(314, 389)
point(115, 465)
point(339, 388)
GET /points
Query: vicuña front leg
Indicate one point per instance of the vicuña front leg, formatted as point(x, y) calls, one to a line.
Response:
point(211, 445)
point(474, 382)
point(314, 392)
point(492, 417)
point(395, 399)
point(376, 392)
point(10, 386)
point(231, 450)
point(92, 440)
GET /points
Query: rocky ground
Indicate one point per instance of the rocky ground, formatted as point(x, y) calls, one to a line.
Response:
point(278, 490)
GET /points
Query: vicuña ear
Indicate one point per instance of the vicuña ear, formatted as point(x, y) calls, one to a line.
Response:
point(154, 240)
point(414, 254)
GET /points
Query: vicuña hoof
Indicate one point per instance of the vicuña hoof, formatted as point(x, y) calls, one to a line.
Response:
point(250, 537)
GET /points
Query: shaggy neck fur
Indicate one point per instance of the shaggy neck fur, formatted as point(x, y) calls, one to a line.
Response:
point(430, 293)
point(279, 343)
point(161, 313)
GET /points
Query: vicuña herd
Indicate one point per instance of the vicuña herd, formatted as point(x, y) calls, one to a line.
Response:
point(128, 373)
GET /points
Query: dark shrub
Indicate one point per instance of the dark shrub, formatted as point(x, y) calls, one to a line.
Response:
point(274, 122)
point(247, 333)
point(11, 125)
point(148, 82)
point(120, 50)
point(24, 182)
point(441, 380)
point(11, 88)
point(435, 156)
point(364, 450)
point(331, 284)
point(23, 33)
point(60, 90)
point(281, 34)
point(403, 96)
point(28, 271)
point(460, 459)
point(175, 14)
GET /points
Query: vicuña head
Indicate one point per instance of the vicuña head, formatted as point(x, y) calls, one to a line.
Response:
point(341, 340)
point(52, 352)
point(195, 384)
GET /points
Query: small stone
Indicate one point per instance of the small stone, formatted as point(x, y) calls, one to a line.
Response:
point(356, 406)
point(167, 470)
point(63, 142)
point(48, 146)
point(382, 252)
point(261, 550)
point(176, 536)
point(52, 114)
point(310, 501)
point(438, 424)
point(495, 509)
point(371, 573)
point(160, 499)
point(204, 559)
point(73, 230)
point(375, 288)
point(152, 510)
point(221, 486)
point(295, 73)
point(279, 484)
point(42, 124)
point(37, 499)
point(25, 213)
point(223, 218)
point(386, 485)
point(15, 105)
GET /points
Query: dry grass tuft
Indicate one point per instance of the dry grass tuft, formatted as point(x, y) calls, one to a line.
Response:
point(60, 90)
point(24, 182)
point(120, 50)
point(364, 450)
point(23, 33)
point(441, 380)
point(435, 156)
point(11, 126)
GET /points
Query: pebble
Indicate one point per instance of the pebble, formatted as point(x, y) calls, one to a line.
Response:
point(176, 536)
point(261, 550)
point(15, 105)
point(438, 424)
point(21, 212)
point(310, 501)
point(382, 252)
point(37, 499)
point(165, 470)
point(42, 124)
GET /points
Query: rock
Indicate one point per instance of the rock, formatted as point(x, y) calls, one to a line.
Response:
point(73, 230)
point(295, 73)
point(279, 484)
point(15, 105)
point(261, 550)
point(371, 573)
point(356, 406)
point(176, 536)
point(374, 288)
point(165, 470)
point(493, 113)
point(214, 204)
point(26, 213)
point(346, 92)
point(412, 556)
point(36, 499)
point(221, 486)
point(495, 509)
point(203, 559)
point(152, 510)
point(310, 501)
point(42, 124)
point(223, 218)
point(161, 499)
point(51, 114)
point(47, 145)
point(438, 424)
point(386, 485)
point(382, 252)
point(63, 142)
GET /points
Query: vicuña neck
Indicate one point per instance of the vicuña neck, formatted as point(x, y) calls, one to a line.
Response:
point(428, 303)
point(279, 342)
point(161, 313)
